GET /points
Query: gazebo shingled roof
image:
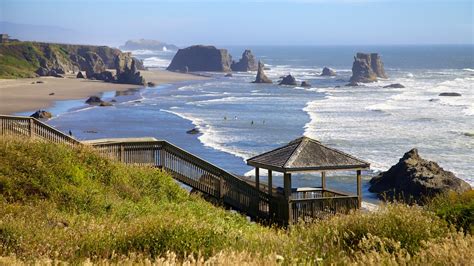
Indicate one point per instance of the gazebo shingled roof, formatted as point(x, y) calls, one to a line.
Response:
point(306, 154)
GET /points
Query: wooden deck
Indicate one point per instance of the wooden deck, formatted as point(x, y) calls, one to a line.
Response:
point(230, 190)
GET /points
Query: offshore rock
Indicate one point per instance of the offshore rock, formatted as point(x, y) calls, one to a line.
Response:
point(201, 58)
point(261, 77)
point(395, 86)
point(414, 179)
point(246, 63)
point(328, 72)
point(305, 84)
point(367, 67)
point(451, 94)
point(288, 80)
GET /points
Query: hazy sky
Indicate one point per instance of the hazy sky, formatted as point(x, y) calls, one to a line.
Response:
point(299, 22)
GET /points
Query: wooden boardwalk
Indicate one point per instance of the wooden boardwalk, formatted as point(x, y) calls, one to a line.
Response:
point(230, 190)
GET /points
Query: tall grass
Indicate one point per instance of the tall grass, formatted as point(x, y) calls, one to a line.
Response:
point(63, 204)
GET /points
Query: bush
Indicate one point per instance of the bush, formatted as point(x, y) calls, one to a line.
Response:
point(456, 209)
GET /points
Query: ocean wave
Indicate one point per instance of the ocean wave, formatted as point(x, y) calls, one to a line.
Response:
point(210, 136)
point(468, 69)
point(156, 62)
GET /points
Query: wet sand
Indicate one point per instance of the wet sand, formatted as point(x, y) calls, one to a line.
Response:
point(21, 95)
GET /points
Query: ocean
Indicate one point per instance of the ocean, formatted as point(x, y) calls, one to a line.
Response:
point(238, 119)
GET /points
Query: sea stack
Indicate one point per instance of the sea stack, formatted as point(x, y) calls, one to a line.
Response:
point(126, 70)
point(261, 77)
point(246, 63)
point(201, 58)
point(328, 72)
point(367, 68)
point(414, 179)
point(288, 80)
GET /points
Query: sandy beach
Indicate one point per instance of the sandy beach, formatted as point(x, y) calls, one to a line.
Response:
point(21, 95)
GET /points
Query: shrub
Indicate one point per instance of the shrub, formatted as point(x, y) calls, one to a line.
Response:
point(456, 209)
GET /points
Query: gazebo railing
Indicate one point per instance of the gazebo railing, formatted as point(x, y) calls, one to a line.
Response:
point(316, 208)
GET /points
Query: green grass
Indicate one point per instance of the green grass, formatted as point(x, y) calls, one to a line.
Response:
point(73, 205)
point(19, 60)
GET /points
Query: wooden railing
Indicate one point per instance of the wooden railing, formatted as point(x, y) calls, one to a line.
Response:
point(194, 172)
point(199, 174)
point(31, 127)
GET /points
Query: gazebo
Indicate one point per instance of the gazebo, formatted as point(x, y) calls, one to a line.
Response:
point(301, 156)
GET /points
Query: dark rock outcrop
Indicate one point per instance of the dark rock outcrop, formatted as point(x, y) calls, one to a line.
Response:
point(367, 67)
point(126, 70)
point(94, 100)
point(414, 179)
point(228, 75)
point(80, 75)
point(261, 77)
point(201, 58)
point(41, 114)
point(395, 86)
point(451, 94)
point(288, 80)
point(150, 84)
point(328, 72)
point(246, 63)
point(305, 84)
point(193, 131)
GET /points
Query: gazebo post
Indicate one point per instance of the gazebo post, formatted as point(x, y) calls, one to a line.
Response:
point(359, 188)
point(287, 189)
point(270, 183)
point(323, 180)
point(257, 178)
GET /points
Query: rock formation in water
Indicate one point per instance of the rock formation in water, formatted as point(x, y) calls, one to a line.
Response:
point(414, 179)
point(367, 67)
point(451, 94)
point(246, 63)
point(41, 114)
point(126, 70)
point(201, 58)
point(144, 44)
point(261, 77)
point(288, 80)
point(328, 72)
point(305, 84)
point(395, 86)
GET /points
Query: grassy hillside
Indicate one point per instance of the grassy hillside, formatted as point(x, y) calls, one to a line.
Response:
point(72, 205)
point(22, 59)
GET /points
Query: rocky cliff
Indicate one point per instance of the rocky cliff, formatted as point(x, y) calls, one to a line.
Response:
point(246, 63)
point(201, 58)
point(30, 59)
point(367, 67)
point(414, 179)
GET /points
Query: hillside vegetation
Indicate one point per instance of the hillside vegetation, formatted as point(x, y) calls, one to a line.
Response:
point(22, 59)
point(64, 204)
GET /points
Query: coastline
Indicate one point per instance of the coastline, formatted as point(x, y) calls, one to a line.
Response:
point(21, 95)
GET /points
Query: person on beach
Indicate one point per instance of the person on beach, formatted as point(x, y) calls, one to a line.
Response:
point(70, 133)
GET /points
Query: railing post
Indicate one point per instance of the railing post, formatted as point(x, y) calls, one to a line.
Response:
point(221, 188)
point(31, 127)
point(287, 188)
point(122, 153)
point(359, 188)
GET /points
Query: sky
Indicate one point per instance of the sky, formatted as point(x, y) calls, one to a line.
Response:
point(247, 22)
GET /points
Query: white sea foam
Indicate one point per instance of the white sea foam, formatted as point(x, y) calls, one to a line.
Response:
point(156, 62)
point(468, 69)
point(211, 136)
